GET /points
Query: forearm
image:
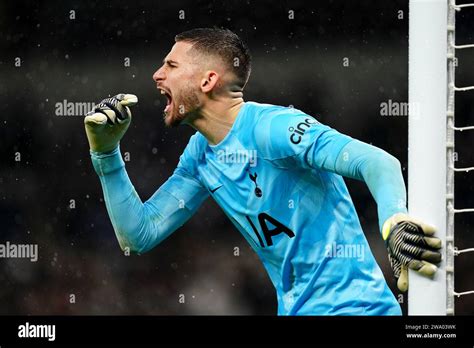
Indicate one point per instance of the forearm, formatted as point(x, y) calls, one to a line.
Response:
point(380, 171)
point(138, 226)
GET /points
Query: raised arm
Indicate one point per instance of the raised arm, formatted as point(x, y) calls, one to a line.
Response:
point(141, 226)
point(138, 226)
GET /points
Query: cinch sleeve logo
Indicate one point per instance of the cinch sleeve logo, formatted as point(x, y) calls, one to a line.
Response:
point(296, 133)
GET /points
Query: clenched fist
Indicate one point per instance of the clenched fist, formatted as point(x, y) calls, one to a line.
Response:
point(108, 122)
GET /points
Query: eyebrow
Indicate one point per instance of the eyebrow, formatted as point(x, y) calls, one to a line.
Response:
point(169, 61)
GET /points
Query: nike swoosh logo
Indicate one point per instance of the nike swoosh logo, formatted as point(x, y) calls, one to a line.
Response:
point(218, 187)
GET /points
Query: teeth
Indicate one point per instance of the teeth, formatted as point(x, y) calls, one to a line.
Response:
point(162, 92)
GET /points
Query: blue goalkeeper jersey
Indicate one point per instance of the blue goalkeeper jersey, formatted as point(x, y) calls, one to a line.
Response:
point(275, 175)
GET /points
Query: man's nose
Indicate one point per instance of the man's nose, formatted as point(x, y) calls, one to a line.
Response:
point(159, 75)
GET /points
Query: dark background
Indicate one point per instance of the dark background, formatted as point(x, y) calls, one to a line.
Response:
point(296, 62)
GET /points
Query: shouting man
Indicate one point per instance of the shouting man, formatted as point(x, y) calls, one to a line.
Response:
point(278, 175)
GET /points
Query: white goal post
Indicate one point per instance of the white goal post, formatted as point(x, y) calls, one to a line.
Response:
point(431, 139)
point(427, 189)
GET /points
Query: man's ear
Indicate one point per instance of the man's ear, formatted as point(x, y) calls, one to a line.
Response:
point(209, 82)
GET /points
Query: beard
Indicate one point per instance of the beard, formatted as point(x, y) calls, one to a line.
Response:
point(184, 104)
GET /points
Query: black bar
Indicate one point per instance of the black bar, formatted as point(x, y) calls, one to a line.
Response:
point(241, 330)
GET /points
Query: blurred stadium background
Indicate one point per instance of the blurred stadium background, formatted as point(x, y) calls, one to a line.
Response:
point(297, 62)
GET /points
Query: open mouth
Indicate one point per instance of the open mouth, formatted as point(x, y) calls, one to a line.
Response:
point(169, 99)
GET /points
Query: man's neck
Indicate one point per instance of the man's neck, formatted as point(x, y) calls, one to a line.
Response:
point(216, 120)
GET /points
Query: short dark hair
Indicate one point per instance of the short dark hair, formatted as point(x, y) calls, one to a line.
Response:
point(224, 44)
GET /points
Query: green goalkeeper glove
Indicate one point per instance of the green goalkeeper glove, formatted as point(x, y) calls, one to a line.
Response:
point(108, 122)
point(410, 244)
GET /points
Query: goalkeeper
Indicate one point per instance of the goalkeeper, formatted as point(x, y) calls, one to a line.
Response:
point(287, 196)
